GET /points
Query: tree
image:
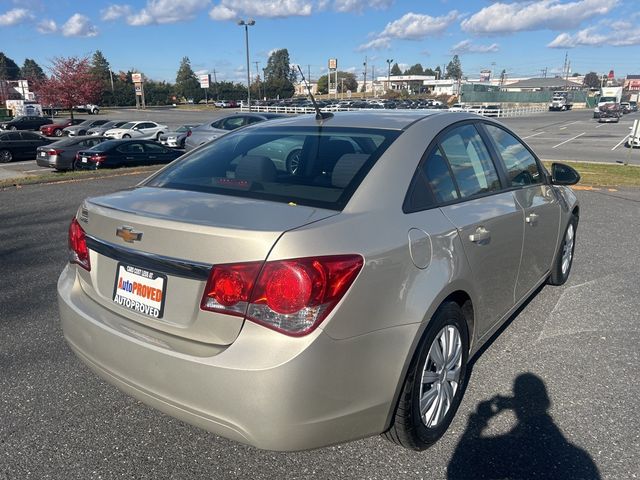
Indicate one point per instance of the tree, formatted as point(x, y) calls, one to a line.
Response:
point(415, 70)
point(350, 82)
point(9, 69)
point(187, 85)
point(430, 72)
point(279, 76)
point(32, 72)
point(592, 80)
point(100, 66)
point(395, 70)
point(438, 72)
point(70, 83)
point(454, 68)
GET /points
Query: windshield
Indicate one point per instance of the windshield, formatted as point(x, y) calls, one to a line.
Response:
point(316, 166)
point(608, 100)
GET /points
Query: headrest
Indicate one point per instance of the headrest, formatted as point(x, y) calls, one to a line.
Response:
point(257, 168)
point(346, 168)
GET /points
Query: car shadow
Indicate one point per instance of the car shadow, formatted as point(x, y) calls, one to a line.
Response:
point(534, 448)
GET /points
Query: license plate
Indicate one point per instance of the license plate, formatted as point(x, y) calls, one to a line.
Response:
point(85, 159)
point(43, 154)
point(140, 290)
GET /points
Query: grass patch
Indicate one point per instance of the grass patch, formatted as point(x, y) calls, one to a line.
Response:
point(56, 177)
point(605, 175)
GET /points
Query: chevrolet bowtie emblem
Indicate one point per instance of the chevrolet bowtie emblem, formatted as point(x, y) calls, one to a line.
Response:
point(128, 235)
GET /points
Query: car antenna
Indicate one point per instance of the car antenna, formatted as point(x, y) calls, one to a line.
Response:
point(319, 115)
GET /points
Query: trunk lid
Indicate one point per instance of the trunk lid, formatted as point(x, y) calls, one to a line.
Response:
point(168, 240)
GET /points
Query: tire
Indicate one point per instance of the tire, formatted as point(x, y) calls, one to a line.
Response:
point(409, 428)
point(158, 136)
point(5, 156)
point(13, 127)
point(57, 132)
point(126, 135)
point(293, 160)
point(560, 271)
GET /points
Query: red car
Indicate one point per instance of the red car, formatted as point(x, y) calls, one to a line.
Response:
point(56, 129)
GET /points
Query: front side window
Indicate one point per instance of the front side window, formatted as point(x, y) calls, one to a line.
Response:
point(257, 162)
point(470, 161)
point(521, 166)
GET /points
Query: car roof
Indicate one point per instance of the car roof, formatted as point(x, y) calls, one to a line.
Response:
point(363, 119)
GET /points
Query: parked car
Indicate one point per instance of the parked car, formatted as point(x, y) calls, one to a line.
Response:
point(176, 138)
point(82, 128)
point(20, 145)
point(30, 122)
point(625, 107)
point(226, 104)
point(89, 108)
point(208, 131)
point(292, 311)
point(61, 155)
point(142, 130)
point(124, 153)
point(633, 106)
point(56, 129)
point(100, 129)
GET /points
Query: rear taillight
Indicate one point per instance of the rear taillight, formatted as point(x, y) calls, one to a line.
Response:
point(78, 251)
point(53, 151)
point(97, 158)
point(189, 132)
point(290, 296)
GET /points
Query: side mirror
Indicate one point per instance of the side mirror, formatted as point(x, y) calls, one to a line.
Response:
point(562, 174)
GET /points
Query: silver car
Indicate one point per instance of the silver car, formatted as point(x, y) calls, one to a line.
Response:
point(61, 155)
point(208, 131)
point(292, 310)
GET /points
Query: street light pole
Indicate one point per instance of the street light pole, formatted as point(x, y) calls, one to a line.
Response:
point(247, 24)
point(389, 62)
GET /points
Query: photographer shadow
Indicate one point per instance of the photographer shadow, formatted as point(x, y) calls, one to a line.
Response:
point(534, 448)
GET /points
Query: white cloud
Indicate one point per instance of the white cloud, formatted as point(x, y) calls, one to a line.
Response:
point(617, 34)
point(78, 26)
point(14, 17)
point(167, 11)
point(416, 26)
point(345, 6)
point(411, 26)
point(114, 12)
point(220, 12)
point(380, 43)
point(534, 15)
point(466, 46)
point(231, 9)
point(47, 26)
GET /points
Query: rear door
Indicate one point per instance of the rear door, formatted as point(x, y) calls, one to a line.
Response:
point(157, 154)
point(488, 219)
point(541, 208)
point(131, 154)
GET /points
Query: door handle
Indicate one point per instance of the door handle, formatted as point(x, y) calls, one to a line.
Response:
point(129, 158)
point(531, 219)
point(480, 235)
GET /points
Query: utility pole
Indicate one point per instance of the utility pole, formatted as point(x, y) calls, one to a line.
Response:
point(544, 72)
point(309, 74)
point(342, 88)
point(364, 91)
point(389, 62)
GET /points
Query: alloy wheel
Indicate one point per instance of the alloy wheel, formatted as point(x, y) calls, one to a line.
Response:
point(567, 249)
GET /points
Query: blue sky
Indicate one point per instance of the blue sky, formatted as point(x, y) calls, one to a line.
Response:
point(152, 36)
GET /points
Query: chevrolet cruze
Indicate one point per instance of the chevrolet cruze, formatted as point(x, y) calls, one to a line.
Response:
point(295, 309)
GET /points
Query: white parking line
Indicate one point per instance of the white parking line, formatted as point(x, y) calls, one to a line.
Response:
point(570, 123)
point(620, 142)
point(535, 134)
point(13, 164)
point(567, 141)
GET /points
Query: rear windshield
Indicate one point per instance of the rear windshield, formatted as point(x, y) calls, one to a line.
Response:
point(315, 166)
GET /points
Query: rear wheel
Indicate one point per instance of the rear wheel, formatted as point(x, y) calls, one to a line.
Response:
point(158, 136)
point(57, 132)
point(564, 257)
point(435, 382)
point(126, 135)
point(5, 156)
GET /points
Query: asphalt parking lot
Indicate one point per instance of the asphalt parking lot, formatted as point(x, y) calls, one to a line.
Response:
point(572, 135)
point(578, 342)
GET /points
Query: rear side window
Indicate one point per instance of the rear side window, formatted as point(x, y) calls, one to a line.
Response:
point(470, 161)
point(316, 166)
point(30, 136)
point(522, 168)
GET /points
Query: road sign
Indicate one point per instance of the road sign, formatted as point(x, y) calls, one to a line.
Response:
point(333, 63)
point(136, 77)
point(204, 80)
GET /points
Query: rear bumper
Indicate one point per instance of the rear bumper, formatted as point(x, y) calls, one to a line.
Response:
point(266, 389)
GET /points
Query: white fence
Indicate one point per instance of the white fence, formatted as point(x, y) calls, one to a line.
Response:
point(487, 112)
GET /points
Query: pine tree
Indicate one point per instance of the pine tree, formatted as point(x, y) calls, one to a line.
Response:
point(395, 70)
point(454, 68)
point(9, 69)
point(279, 77)
point(187, 85)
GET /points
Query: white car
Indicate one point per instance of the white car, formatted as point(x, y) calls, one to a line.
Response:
point(144, 129)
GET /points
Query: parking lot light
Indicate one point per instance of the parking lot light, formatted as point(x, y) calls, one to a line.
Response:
point(247, 24)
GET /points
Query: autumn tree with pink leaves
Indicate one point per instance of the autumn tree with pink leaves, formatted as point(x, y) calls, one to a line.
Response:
point(70, 83)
